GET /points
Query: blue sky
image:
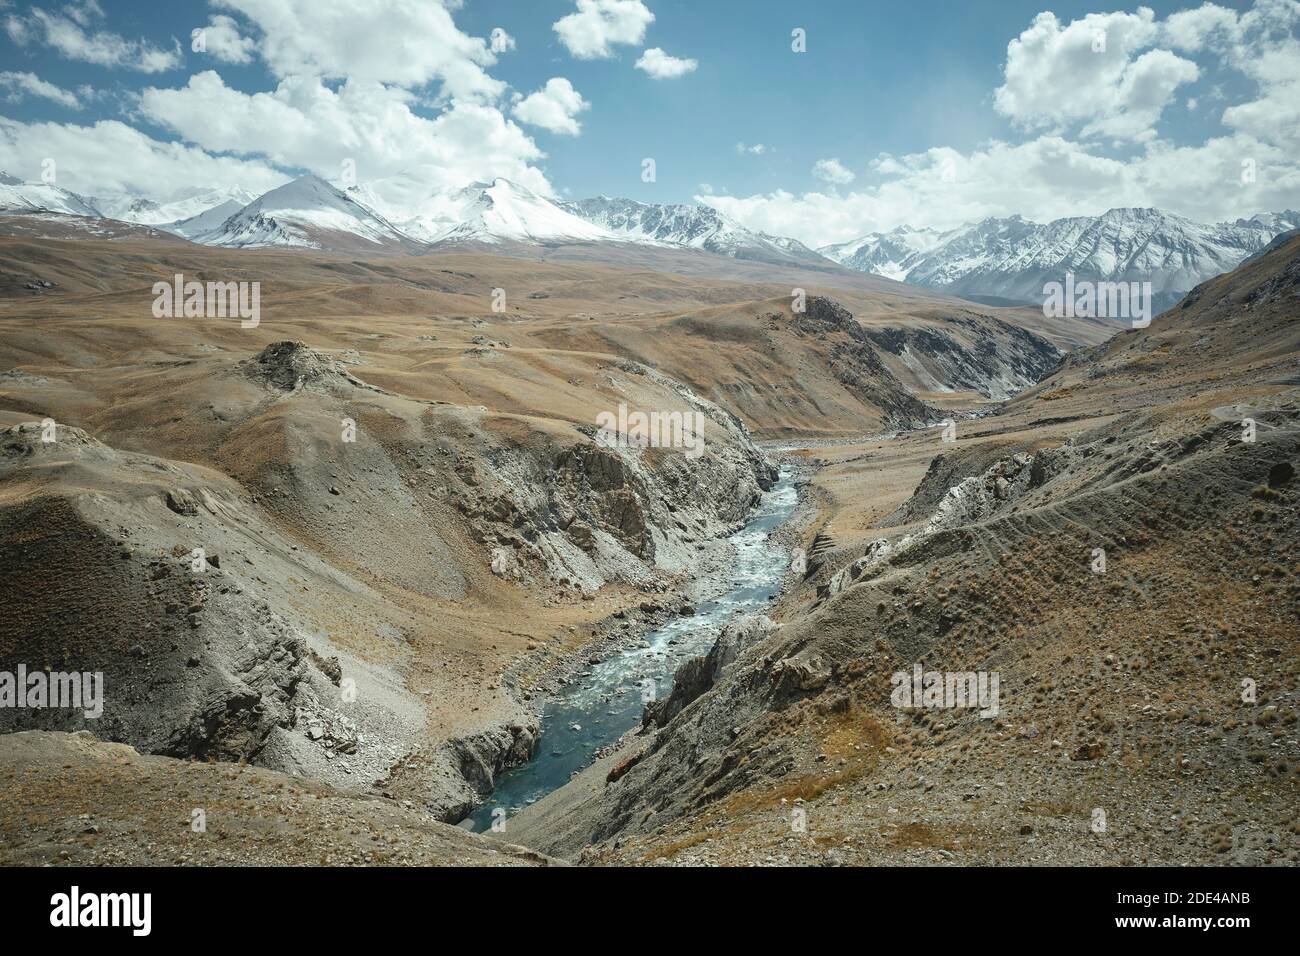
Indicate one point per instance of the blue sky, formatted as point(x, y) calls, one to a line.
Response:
point(878, 77)
point(1148, 120)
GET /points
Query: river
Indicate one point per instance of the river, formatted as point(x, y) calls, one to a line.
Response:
point(603, 704)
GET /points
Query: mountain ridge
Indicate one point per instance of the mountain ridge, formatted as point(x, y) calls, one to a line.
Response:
point(403, 212)
point(1012, 257)
point(1002, 261)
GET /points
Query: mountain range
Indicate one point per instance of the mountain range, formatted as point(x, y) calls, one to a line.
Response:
point(404, 214)
point(1007, 261)
point(998, 261)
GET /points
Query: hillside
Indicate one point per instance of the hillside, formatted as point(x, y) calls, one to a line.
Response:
point(1121, 690)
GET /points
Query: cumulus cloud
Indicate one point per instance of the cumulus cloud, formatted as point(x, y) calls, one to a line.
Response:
point(73, 33)
point(833, 171)
point(1046, 178)
point(222, 40)
point(304, 123)
point(662, 66)
point(1089, 94)
point(110, 157)
point(598, 26)
point(1091, 73)
point(1190, 30)
point(416, 94)
point(419, 43)
point(554, 107)
point(20, 85)
point(756, 149)
point(1261, 44)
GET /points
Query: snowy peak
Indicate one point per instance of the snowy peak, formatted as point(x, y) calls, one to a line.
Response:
point(306, 194)
point(1279, 222)
point(689, 226)
point(25, 197)
point(146, 212)
point(206, 221)
point(679, 225)
point(489, 212)
point(504, 211)
point(1009, 259)
point(411, 211)
point(128, 209)
point(883, 253)
point(308, 213)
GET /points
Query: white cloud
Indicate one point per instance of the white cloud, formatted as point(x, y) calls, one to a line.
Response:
point(599, 25)
point(343, 92)
point(84, 12)
point(554, 107)
point(304, 123)
point(1146, 88)
point(1044, 179)
point(757, 149)
point(223, 41)
point(71, 34)
point(662, 66)
point(1261, 44)
point(110, 157)
point(1055, 76)
point(29, 84)
point(406, 42)
point(1090, 101)
point(1090, 72)
point(833, 171)
point(1190, 30)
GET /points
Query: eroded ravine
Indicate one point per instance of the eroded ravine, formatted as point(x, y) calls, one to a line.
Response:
point(607, 701)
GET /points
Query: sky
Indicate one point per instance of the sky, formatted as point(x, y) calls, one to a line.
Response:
point(824, 120)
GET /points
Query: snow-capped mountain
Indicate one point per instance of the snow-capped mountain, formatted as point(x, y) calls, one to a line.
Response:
point(307, 213)
point(24, 197)
point(1003, 261)
point(499, 211)
point(206, 221)
point(146, 212)
point(1011, 259)
point(693, 227)
point(503, 211)
point(407, 213)
point(883, 253)
point(126, 208)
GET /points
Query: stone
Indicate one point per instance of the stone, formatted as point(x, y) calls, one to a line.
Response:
point(182, 502)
